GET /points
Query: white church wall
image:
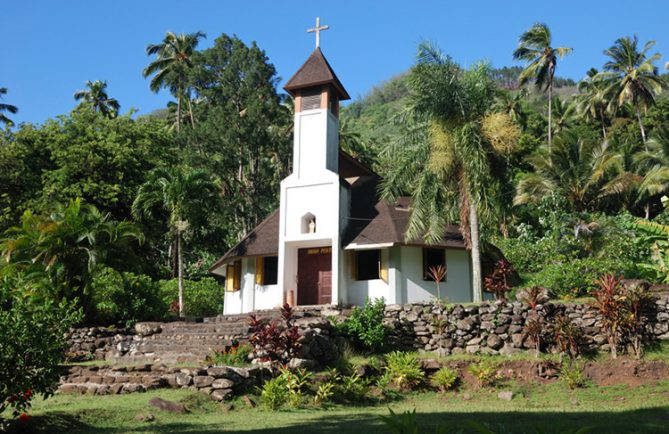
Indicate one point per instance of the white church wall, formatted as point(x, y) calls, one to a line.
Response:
point(268, 296)
point(458, 281)
point(248, 283)
point(233, 303)
point(314, 199)
point(309, 149)
point(361, 290)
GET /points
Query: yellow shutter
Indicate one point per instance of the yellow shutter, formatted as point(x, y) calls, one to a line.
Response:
point(230, 278)
point(354, 265)
point(237, 275)
point(383, 265)
point(260, 277)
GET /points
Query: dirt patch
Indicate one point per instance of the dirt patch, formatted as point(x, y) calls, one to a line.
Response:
point(623, 371)
point(626, 371)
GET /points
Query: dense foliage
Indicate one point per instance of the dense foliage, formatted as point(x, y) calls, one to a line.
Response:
point(32, 345)
point(364, 327)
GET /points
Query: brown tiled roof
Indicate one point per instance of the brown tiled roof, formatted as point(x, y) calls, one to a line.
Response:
point(372, 220)
point(316, 71)
point(377, 221)
point(263, 240)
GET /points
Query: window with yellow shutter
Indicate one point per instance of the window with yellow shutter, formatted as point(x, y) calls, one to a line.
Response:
point(233, 276)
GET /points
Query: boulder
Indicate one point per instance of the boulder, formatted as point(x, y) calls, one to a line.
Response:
point(506, 395)
point(168, 406)
point(222, 383)
point(220, 394)
point(494, 342)
point(201, 381)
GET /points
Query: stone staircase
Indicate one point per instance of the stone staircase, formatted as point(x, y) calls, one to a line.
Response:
point(175, 342)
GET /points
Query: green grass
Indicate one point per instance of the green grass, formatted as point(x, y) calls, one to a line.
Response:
point(535, 408)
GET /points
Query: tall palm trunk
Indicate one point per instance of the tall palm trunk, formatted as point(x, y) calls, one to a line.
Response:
point(550, 120)
point(601, 118)
point(178, 112)
point(190, 111)
point(180, 274)
point(643, 131)
point(476, 253)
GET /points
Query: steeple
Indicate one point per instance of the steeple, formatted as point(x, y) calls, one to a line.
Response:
point(315, 85)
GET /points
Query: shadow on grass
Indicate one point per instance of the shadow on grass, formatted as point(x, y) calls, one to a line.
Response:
point(651, 420)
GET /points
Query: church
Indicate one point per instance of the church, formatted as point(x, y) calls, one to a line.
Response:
point(333, 240)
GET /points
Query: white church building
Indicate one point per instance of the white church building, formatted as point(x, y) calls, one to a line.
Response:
point(333, 240)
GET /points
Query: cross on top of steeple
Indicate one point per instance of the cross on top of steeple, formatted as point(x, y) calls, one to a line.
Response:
point(318, 30)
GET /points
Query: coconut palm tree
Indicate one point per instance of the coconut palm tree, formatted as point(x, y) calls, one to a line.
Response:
point(6, 108)
point(535, 48)
point(446, 159)
point(632, 77)
point(564, 115)
point(575, 170)
point(173, 59)
point(592, 100)
point(182, 194)
point(96, 97)
point(512, 103)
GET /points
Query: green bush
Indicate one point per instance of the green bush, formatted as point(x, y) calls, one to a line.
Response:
point(404, 370)
point(445, 379)
point(576, 277)
point(201, 297)
point(274, 393)
point(485, 373)
point(32, 346)
point(237, 355)
point(126, 297)
point(571, 374)
point(365, 326)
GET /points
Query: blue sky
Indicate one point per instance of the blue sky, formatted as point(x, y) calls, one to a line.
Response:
point(52, 47)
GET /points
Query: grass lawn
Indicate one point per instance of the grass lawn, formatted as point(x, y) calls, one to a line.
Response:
point(535, 408)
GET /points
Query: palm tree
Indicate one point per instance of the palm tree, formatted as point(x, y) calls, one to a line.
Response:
point(8, 108)
point(183, 194)
point(445, 158)
point(564, 115)
point(632, 76)
point(592, 100)
point(96, 97)
point(512, 103)
point(173, 59)
point(575, 170)
point(65, 247)
point(536, 50)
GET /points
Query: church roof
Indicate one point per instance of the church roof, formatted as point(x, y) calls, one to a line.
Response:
point(376, 221)
point(372, 220)
point(263, 240)
point(316, 71)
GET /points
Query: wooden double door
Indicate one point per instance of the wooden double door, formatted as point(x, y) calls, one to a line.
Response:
point(314, 276)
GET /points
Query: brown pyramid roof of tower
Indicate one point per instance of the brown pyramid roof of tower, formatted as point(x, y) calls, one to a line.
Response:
point(316, 71)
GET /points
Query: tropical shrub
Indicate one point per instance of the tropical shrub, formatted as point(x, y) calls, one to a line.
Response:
point(654, 237)
point(404, 370)
point(640, 306)
point(572, 375)
point(236, 355)
point(275, 341)
point(325, 392)
point(202, 297)
point(498, 281)
point(404, 423)
point(125, 297)
point(610, 300)
point(484, 372)
point(32, 345)
point(445, 379)
point(535, 329)
point(365, 326)
point(567, 336)
point(533, 296)
point(274, 393)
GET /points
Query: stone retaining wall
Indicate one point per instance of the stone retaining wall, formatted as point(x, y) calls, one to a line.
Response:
point(219, 382)
point(489, 328)
point(497, 328)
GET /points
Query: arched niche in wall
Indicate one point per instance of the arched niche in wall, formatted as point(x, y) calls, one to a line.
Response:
point(308, 224)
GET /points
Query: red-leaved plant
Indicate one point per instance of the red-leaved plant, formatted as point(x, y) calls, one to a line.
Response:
point(497, 282)
point(275, 341)
point(567, 336)
point(611, 301)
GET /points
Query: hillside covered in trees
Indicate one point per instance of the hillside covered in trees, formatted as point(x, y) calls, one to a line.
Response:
point(118, 213)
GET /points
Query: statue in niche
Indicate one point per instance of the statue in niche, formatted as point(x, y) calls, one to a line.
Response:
point(312, 226)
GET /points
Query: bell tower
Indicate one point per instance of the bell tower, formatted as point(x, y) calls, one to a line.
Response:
point(314, 201)
point(317, 92)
